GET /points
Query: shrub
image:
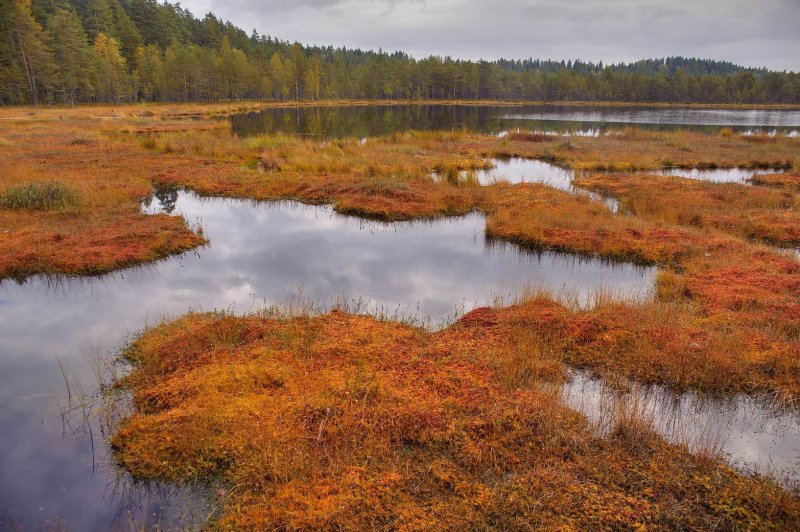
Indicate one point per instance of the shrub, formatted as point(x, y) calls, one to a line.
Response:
point(38, 196)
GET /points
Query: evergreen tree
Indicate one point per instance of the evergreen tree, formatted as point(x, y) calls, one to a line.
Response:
point(96, 16)
point(147, 49)
point(28, 70)
point(125, 32)
point(73, 54)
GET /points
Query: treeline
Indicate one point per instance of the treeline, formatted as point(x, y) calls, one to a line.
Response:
point(74, 51)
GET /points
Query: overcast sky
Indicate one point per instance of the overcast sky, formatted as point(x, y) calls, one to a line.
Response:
point(749, 32)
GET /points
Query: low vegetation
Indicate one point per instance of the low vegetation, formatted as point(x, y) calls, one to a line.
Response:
point(755, 213)
point(789, 181)
point(38, 197)
point(348, 421)
point(74, 207)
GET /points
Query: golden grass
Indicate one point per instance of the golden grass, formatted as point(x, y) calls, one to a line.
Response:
point(787, 180)
point(742, 297)
point(635, 149)
point(757, 213)
point(102, 231)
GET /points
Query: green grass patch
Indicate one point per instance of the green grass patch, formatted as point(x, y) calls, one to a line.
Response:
point(39, 196)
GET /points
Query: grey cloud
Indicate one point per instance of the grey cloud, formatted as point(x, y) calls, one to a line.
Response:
point(758, 34)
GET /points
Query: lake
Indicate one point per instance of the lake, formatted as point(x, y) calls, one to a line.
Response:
point(376, 120)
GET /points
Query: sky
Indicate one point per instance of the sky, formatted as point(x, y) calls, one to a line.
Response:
point(748, 32)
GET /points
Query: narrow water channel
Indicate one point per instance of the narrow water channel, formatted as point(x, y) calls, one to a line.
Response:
point(520, 170)
point(741, 176)
point(749, 433)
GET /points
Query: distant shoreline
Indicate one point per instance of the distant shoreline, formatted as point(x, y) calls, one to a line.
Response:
point(235, 106)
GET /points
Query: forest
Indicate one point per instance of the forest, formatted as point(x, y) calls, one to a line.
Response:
point(112, 51)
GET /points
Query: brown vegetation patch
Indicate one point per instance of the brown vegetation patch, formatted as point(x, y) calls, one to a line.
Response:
point(344, 421)
point(523, 136)
point(92, 188)
point(742, 297)
point(751, 212)
point(787, 180)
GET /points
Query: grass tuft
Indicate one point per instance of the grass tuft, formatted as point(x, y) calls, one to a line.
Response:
point(39, 197)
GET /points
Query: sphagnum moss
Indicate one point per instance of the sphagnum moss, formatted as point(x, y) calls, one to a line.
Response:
point(346, 422)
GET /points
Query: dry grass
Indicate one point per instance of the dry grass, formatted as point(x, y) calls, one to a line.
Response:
point(521, 136)
point(787, 180)
point(90, 220)
point(635, 149)
point(387, 178)
point(741, 299)
point(756, 213)
point(347, 422)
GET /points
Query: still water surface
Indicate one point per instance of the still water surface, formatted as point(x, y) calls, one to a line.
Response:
point(741, 176)
point(260, 253)
point(748, 433)
point(376, 120)
point(519, 170)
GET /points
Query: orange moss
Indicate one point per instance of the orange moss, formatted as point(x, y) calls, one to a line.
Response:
point(787, 180)
point(635, 149)
point(342, 421)
point(531, 137)
point(539, 216)
point(105, 230)
point(386, 198)
point(733, 292)
point(746, 211)
point(78, 244)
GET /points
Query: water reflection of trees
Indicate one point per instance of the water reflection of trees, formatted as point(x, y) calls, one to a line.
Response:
point(377, 120)
point(167, 197)
point(366, 121)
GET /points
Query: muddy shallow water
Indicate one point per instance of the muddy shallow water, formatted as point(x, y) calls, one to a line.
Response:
point(57, 474)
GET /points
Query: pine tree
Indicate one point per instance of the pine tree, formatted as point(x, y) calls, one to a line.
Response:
point(27, 62)
point(125, 32)
point(96, 17)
